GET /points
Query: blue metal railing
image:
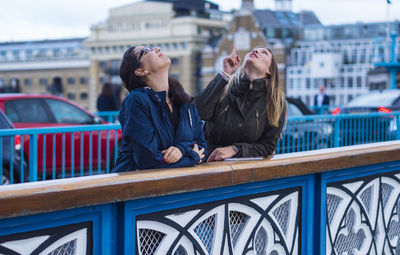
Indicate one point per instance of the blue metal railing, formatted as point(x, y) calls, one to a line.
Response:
point(327, 131)
point(109, 116)
point(50, 153)
point(58, 152)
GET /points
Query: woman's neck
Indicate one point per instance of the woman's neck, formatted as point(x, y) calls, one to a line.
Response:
point(158, 82)
point(252, 74)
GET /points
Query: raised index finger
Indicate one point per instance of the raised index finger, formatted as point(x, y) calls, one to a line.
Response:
point(234, 53)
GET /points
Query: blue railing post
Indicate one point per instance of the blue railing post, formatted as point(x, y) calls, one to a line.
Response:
point(33, 156)
point(397, 121)
point(336, 130)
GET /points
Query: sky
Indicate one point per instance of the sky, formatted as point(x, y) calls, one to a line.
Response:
point(49, 19)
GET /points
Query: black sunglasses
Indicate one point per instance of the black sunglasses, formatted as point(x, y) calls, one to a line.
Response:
point(145, 49)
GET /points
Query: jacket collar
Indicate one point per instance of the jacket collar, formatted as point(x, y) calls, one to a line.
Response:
point(254, 88)
point(158, 97)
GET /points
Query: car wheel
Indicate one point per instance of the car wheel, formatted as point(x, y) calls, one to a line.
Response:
point(321, 145)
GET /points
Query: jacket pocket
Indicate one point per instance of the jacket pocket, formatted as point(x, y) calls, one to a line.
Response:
point(223, 111)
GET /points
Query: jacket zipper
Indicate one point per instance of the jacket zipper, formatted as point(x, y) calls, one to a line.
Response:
point(257, 122)
point(225, 109)
point(190, 119)
point(247, 92)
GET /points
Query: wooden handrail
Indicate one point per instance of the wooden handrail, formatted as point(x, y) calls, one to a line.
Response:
point(47, 196)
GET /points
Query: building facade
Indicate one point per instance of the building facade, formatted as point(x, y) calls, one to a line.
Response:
point(59, 67)
point(180, 28)
point(341, 58)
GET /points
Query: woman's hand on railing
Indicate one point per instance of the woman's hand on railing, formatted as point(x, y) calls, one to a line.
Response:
point(199, 152)
point(222, 153)
point(231, 63)
point(172, 155)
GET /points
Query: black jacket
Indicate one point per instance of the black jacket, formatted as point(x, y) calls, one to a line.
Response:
point(239, 118)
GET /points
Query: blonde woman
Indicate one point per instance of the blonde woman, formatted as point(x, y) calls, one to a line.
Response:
point(244, 109)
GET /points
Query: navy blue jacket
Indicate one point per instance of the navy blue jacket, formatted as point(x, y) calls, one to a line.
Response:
point(147, 130)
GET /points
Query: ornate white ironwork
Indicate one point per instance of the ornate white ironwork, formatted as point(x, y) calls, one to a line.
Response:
point(265, 225)
point(55, 241)
point(363, 216)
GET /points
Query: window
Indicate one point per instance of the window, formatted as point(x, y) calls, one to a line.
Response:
point(26, 110)
point(342, 82)
point(183, 45)
point(291, 84)
point(28, 82)
point(66, 113)
point(359, 82)
point(308, 83)
point(83, 80)
point(3, 54)
point(174, 61)
point(349, 98)
point(84, 96)
point(15, 54)
point(299, 83)
point(350, 82)
point(71, 96)
point(176, 76)
point(43, 81)
point(71, 80)
point(56, 53)
point(28, 54)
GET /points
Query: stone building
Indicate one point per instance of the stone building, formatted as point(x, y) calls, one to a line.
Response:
point(48, 66)
point(180, 28)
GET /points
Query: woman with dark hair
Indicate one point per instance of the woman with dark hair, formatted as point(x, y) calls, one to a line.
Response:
point(160, 126)
point(106, 100)
point(245, 112)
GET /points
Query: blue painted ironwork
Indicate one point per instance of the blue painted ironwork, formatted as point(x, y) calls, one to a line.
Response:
point(300, 134)
point(30, 167)
point(314, 132)
point(363, 203)
point(109, 116)
point(98, 222)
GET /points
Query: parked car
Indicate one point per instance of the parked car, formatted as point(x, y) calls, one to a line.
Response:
point(302, 135)
point(363, 129)
point(10, 156)
point(384, 101)
point(39, 111)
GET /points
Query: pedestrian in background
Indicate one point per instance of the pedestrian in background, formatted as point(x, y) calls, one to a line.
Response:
point(106, 100)
point(321, 101)
point(244, 112)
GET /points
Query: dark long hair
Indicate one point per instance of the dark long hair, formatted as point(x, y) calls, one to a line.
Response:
point(131, 81)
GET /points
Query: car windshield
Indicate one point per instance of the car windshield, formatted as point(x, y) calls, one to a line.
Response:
point(374, 100)
point(292, 110)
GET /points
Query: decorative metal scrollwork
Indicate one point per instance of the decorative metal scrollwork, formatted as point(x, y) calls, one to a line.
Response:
point(266, 224)
point(363, 215)
point(65, 240)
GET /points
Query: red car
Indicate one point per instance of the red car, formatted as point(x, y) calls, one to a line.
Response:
point(39, 111)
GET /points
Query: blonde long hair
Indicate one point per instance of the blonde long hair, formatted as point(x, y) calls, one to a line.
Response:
point(276, 101)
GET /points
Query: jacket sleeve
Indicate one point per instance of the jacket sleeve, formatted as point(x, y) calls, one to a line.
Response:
point(208, 98)
point(140, 131)
point(266, 145)
point(198, 134)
